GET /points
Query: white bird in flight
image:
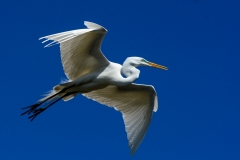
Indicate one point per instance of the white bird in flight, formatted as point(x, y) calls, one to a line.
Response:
point(91, 74)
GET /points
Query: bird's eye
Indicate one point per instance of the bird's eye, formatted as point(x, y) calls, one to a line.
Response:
point(144, 60)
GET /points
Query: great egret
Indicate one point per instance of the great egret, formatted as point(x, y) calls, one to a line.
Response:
point(91, 74)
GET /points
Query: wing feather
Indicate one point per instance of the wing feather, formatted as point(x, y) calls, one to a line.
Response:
point(135, 102)
point(80, 49)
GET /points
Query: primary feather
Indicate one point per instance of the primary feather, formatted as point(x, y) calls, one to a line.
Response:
point(80, 49)
point(136, 104)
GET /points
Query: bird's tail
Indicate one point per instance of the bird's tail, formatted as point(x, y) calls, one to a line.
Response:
point(49, 96)
point(58, 91)
point(61, 87)
point(54, 94)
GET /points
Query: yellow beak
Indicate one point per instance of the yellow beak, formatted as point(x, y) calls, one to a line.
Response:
point(157, 66)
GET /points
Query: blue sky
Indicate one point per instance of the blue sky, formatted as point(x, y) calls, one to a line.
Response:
point(199, 104)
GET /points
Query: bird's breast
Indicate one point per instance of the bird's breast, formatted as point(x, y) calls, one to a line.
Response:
point(110, 75)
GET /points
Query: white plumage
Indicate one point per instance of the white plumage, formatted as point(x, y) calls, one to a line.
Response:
point(141, 101)
point(91, 74)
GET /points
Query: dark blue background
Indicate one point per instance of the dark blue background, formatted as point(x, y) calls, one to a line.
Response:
point(199, 96)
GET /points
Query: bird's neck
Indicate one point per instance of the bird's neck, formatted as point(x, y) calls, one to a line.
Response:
point(131, 73)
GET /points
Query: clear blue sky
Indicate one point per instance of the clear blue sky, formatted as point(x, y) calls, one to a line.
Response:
point(199, 96)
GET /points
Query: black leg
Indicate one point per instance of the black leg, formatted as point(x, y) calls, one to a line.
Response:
point(34, 111)
point(31, 108)
point(37, 111)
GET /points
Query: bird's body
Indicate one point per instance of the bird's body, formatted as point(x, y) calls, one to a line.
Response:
point(101, 78)
point(92, 75)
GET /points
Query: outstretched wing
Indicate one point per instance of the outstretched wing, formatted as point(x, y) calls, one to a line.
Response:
point(136, 102)
point(80, 49)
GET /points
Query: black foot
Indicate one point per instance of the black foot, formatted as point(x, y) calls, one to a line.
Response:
point(36, 112)
point(31, 108)
point(33, 111)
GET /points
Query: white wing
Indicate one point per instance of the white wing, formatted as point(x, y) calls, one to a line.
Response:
point(80, 49)
point(136, 102)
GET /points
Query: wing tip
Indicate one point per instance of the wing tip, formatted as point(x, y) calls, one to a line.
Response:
point(133, 148)
point(92, 25)
point(132, 151)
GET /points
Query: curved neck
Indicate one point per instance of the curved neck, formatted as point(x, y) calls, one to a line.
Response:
point(130, 72)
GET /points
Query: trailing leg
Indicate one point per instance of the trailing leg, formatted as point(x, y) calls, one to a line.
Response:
point(50, 99)
point(34, 106)
point(37, 111)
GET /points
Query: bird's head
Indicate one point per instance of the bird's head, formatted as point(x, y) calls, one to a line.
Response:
point(138, 61)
